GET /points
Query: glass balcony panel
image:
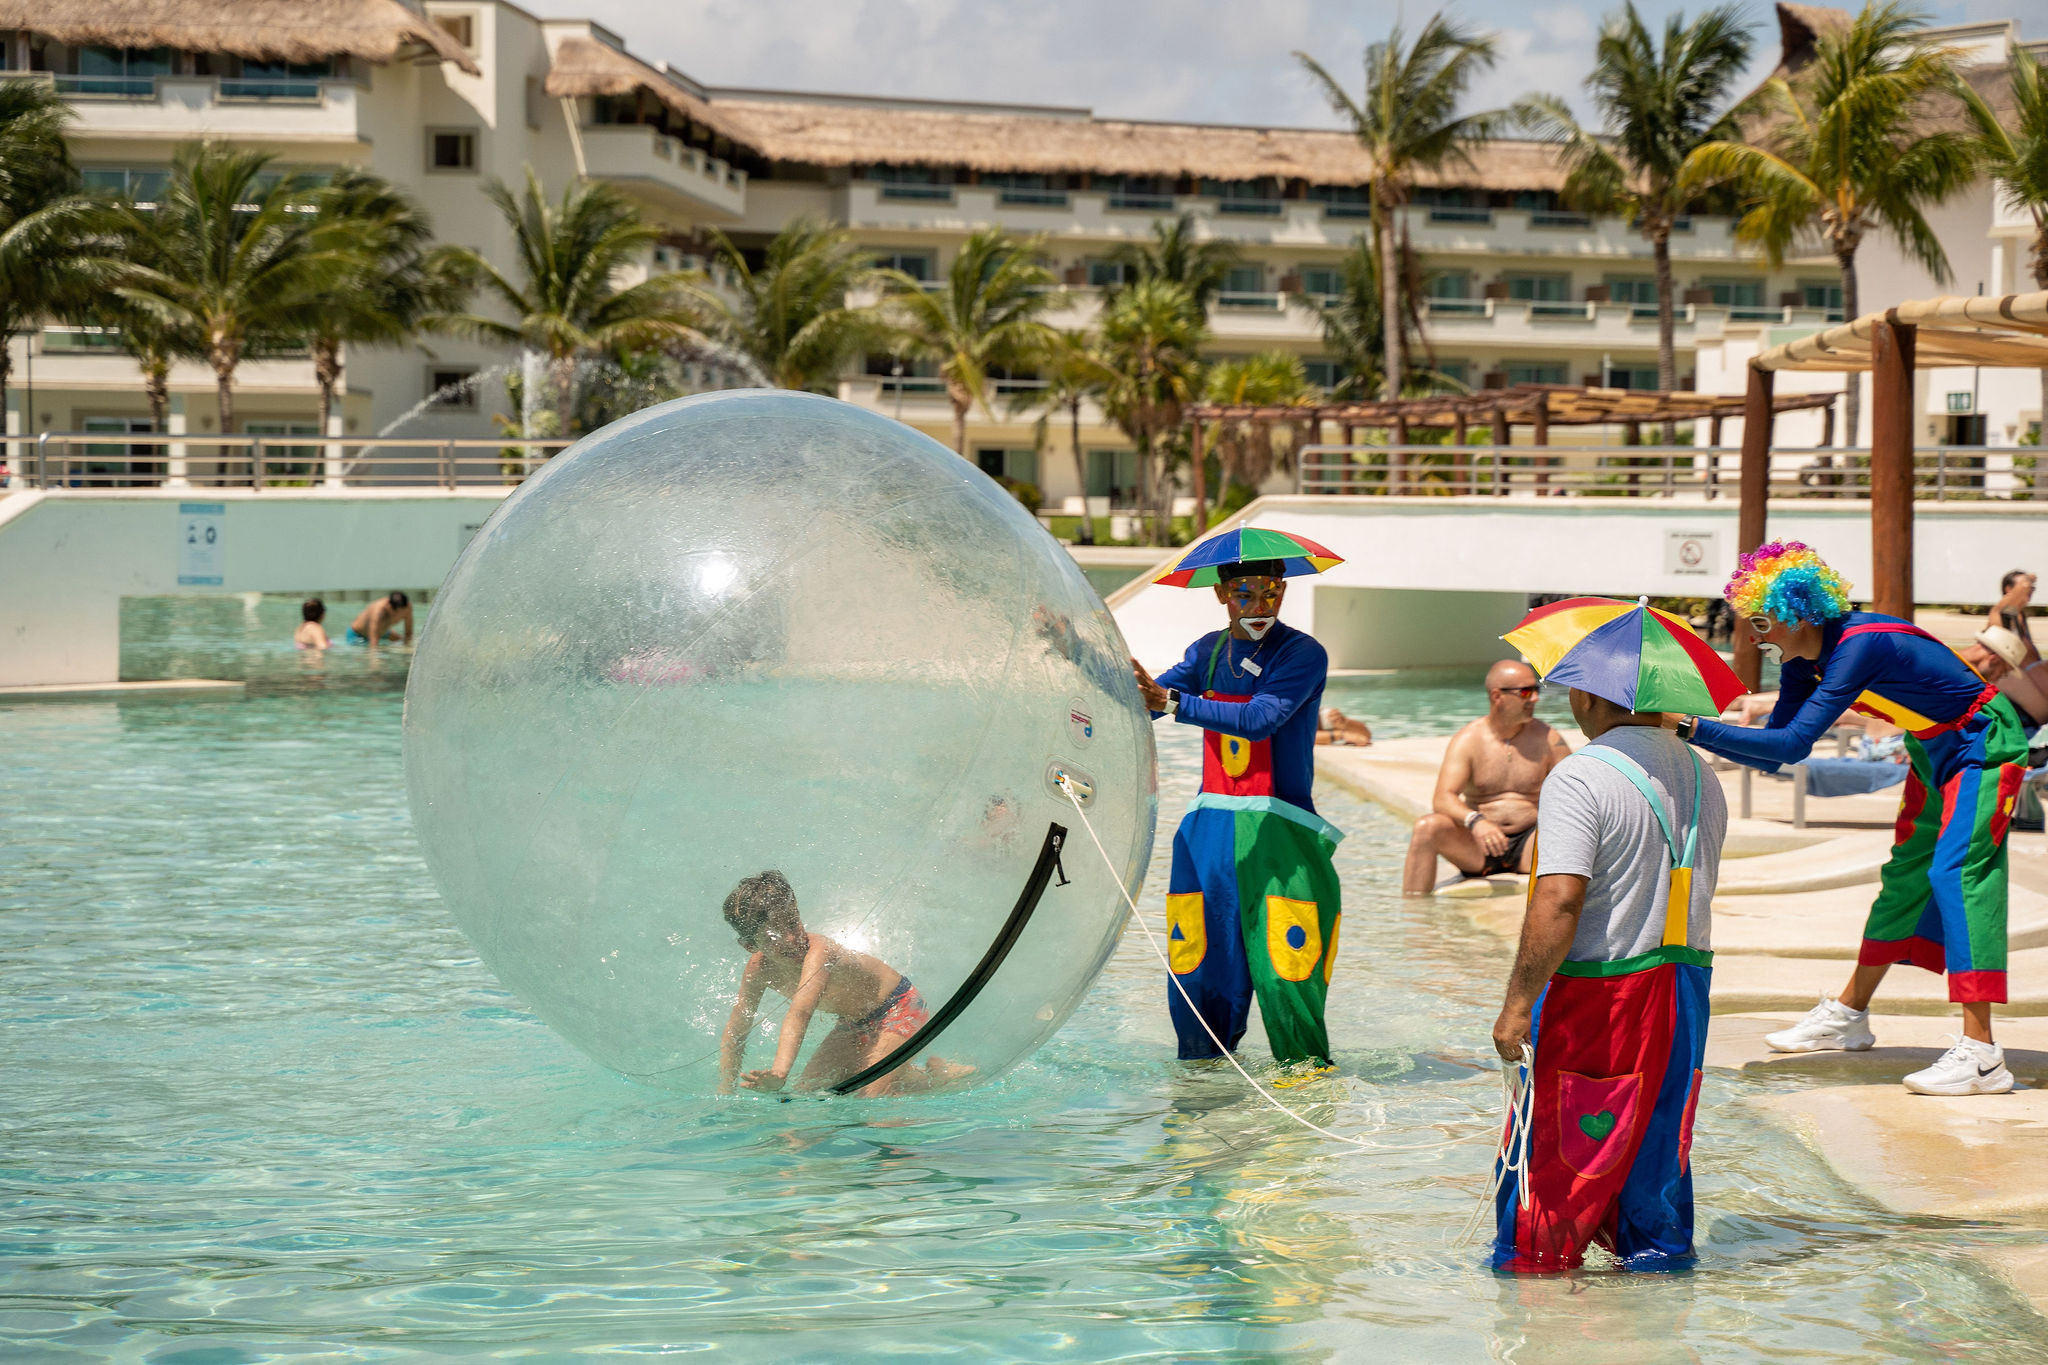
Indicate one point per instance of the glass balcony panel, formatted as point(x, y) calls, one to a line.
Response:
point(1451, 213)
point(1141, 203)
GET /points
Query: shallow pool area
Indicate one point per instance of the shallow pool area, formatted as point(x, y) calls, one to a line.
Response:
point(260, 1101)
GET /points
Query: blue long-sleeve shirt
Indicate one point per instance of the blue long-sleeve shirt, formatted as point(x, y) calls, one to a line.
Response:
point(1286, 696)
point(1906, 676)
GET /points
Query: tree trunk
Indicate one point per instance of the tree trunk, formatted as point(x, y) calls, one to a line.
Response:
point(1087, 536)
point(1390, 299)
point(1667, 321)
point(960, 428)
point(1852, 390)
point(565, 395)
point(327, 373)
point(1200, 522)
point(224, 391)
point(1147, 480)
point(8, 455)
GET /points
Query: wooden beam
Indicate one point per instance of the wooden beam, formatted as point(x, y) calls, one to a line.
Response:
point(1201, 485)
point(1503, 435)
point(1397, 459)
point(1827, 423)
point(1891, 468)
point(1540, 433)
point(1756, 492)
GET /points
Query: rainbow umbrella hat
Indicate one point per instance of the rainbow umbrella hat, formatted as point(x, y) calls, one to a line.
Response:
point(1298, 555)
point(1628, 652)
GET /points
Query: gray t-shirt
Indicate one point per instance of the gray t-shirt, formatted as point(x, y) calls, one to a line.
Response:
point(1593, 822)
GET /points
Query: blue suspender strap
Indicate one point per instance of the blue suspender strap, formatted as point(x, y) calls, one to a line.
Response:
point(1640, 780)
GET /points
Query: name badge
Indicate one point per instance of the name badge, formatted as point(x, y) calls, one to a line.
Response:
point(1251, 666)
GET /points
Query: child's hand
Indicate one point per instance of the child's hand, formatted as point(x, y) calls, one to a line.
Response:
point(763, 1080)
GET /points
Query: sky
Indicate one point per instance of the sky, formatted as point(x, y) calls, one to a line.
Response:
point(1210, 61)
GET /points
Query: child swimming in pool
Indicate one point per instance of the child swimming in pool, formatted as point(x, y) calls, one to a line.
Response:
point(877, 1005)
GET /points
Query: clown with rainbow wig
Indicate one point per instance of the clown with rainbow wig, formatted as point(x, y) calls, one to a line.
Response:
point(1941, 903)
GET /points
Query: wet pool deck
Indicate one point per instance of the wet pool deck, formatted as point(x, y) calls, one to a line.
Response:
point(1787, 919)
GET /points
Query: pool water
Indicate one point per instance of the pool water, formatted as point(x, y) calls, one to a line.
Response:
point(260, 1101)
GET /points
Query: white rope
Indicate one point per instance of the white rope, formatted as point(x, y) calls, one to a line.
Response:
point(1264, 1094)
point(1519, 1089)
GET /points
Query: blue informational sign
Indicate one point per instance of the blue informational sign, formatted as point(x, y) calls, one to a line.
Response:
point(202, 536)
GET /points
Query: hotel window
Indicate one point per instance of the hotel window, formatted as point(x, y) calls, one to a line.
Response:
point(1107, 274)
point(460, 27)
point(276, 80)
point(1113, 474)
point(1540, 288)
point(443, 391)
point(1534, 372)
point(1018, 466)
point(1243, 196)
point(140, 184)
point(1141, 193)
point(914, 182)
point(451, 149)
point(1821, 294)
point(1637, 289)
point(128, 72)
point(1322, 281)
point(1450, 286)
point(1342, 201)
point(919, 265)
point(1019, 187)
point(1735, 293)
point(1630, 377)
point(1457, 371)
point(1244, 279)
point(1324, 374)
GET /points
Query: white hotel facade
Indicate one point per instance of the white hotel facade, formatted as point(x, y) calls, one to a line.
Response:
point(1520, 289)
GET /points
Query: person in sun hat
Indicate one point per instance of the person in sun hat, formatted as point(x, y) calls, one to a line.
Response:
point(1941, 900)
point(1253, 903)
point(1609, 990)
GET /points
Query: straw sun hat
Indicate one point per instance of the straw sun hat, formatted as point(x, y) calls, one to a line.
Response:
point(2004, 644)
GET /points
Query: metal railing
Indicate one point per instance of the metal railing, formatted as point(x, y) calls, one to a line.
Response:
point(1941, 473)
point(102, 459)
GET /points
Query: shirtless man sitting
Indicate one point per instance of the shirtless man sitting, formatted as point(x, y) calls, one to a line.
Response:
point(1484, 811)
point(383, 617)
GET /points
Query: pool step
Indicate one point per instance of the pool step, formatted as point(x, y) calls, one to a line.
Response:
point(1746, 983)
point(1829, 924)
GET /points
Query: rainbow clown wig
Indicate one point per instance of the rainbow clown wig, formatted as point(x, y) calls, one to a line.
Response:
point(1787, 581)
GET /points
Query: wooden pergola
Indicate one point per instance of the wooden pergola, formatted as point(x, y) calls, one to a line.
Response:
point(1536, 406)
point(2010, 332)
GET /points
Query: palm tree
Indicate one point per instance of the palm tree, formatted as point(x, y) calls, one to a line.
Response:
point(1849, 153)
point(1074, 373)
point(42, 218)
point(1245, 454)
point(984, 316)
point(229, 258)
point(1354, 329)
point(791, 316)
point(568, 304)
point(1152, 338)
point(2017, 158)
point(1658, 107)
point(390, 285)
point(1178, 255)
point(1408, 122)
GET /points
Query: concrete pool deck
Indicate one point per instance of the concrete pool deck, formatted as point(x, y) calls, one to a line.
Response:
point(1787, 920)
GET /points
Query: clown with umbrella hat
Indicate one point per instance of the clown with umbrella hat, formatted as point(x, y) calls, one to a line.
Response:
point(1605, 1019)
point(1252, 906)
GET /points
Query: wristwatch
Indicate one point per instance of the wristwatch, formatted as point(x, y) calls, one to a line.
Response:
point(1474, 818)
point(1172, 700)
point(1686, 726)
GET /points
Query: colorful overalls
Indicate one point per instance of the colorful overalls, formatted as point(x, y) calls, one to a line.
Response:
point(1941, 902)
point(1619, 1051)
point(1253, 906)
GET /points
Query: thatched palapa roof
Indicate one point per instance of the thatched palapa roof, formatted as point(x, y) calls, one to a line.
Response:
point(2010, 331)
point(853, 134)
point(257, 30)
point(585, 66)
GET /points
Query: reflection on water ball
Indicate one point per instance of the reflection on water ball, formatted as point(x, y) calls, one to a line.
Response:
point(767, 630)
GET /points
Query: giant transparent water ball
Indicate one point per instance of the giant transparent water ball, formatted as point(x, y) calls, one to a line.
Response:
point(764, 630)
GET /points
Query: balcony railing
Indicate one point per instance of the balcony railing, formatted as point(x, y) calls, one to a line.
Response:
point(1440, 213)
point(63, 340)
point(925, 194)
point(108, 87)
point(101, 459)
point(1940, 473)
point(1248, 299)
point(1454, 307)
point(1141, 203)
point(1556, 308)
point(305, 90)
point(1553, 218)
point(1034, 198)
point(1259, 208)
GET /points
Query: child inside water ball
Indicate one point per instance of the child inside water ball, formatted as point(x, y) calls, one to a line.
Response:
point(877, 1005)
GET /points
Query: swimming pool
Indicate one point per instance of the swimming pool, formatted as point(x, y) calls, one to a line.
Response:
point(260, 1101)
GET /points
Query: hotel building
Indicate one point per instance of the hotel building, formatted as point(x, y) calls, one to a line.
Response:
point(438, 97)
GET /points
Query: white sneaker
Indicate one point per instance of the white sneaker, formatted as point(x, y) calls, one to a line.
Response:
point(1830, 1026)
point(1968, 1068)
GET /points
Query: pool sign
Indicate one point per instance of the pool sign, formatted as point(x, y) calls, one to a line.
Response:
point(1690, 552)
point(201, 537)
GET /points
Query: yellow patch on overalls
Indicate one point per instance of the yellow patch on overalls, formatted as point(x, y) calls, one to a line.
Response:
point(1187, 933)
point(1234, 753)
point(1294, 937)
point(1330, 958)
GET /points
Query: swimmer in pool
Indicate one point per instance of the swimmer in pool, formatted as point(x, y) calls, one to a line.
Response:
point(383, 617)
point(877, 1006)
point(311, 634)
